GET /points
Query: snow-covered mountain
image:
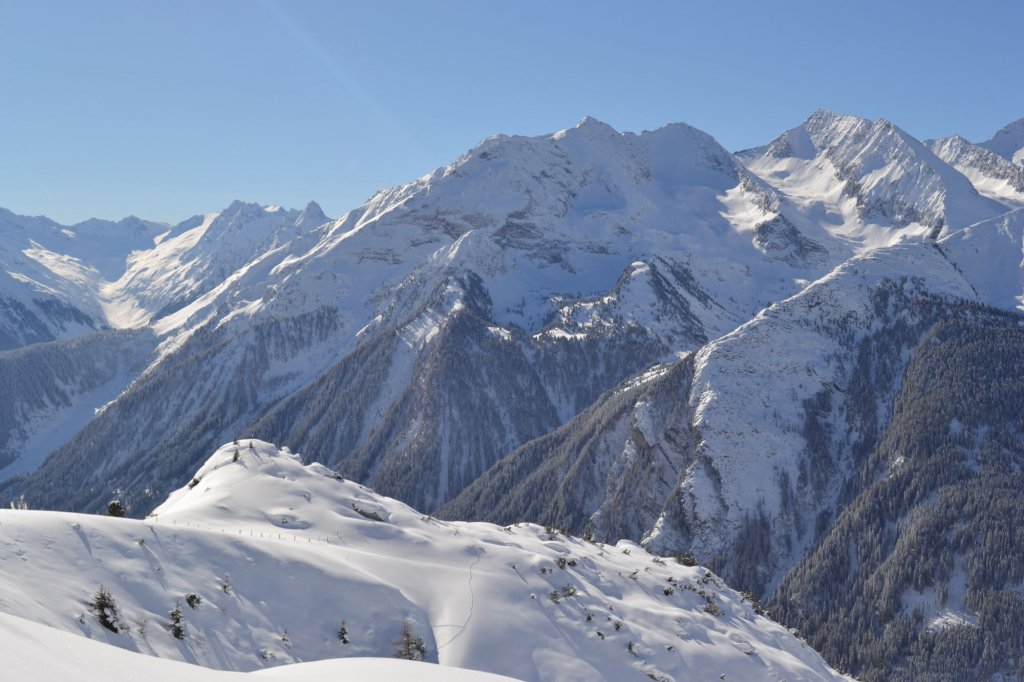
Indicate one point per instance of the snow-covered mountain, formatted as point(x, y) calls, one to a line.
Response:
point(60, 283)
point(869, 180)
point(201, 253)
point(268, 561)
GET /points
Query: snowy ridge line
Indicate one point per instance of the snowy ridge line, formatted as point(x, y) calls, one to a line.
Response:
point(252, 532)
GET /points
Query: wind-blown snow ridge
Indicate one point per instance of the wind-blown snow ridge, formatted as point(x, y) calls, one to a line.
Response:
point(280, 554)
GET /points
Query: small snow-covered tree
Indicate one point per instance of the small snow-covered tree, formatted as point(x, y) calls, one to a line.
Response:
point(105, 609)
point(686, 559)
point(177, 625)
point(225, 584)
point(115, 508)
point(142, 624)
point(343, 633)
point(409, 646)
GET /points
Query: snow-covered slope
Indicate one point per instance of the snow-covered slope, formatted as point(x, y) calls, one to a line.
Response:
point(46, 654)
point(991, 257)
point(869, 181)
point(917, 578)
point(280, 555)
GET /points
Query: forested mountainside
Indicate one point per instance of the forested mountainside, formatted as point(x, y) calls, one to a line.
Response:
point(919, 576)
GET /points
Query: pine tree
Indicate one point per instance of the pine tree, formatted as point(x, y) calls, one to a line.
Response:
point(343, 633)
point(409, 646)
point(105, 609)
point(177, 624)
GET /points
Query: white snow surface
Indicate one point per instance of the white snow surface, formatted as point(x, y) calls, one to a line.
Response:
point(991, 256)
point(281, 553)
point(45, 654)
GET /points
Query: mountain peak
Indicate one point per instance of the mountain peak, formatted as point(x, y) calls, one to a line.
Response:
point(311, 216)
point(591, 128)
point(238, 205)
point(823, 125)
point(1008, 142)
point(591, 122)
point(823, 115)
point(238, 480)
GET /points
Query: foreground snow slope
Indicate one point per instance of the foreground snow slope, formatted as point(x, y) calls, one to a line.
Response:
point(280, 554)
point(48, 655)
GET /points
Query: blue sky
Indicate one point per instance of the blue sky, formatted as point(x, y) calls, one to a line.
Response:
point(166, 109)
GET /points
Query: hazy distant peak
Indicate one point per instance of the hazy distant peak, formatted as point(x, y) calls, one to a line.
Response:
point(311, 216)
point(589, 128)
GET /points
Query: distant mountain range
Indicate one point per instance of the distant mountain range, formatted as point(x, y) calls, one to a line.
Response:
point(800, 362)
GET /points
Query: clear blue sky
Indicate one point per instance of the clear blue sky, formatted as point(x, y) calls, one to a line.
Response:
point(165, 109)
